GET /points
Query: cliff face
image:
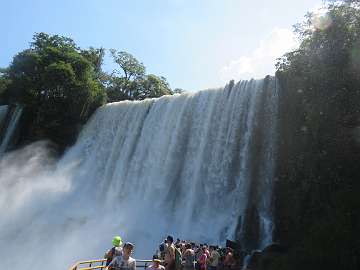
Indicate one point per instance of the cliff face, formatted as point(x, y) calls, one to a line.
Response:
point(317, 175)
point(316, 197)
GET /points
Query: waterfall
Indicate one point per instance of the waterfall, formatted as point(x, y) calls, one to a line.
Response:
point(10, 128)
point(188, 165)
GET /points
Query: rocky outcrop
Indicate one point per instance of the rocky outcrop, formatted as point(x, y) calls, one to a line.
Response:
point(265, 259)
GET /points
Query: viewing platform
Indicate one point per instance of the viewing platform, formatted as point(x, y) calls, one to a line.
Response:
point(100, 264)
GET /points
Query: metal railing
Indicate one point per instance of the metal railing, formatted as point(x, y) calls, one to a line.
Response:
point(100, 264)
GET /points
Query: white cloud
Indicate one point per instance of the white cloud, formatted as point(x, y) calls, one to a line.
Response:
point(261, 61)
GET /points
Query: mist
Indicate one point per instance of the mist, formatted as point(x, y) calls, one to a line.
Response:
point(48, 221)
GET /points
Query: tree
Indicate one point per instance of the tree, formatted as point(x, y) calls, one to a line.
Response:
point(152, 86)
point(4, 82)
point(118, 89)
point(130, 66)
point(59, 85)
point(96, 58)
point(123, 83)
point(178, 91)
point(131, 82)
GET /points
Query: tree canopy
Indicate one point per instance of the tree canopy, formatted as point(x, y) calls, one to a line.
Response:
point(130, 66)
point(132, 82)
point(57, 82)
point(61, 85)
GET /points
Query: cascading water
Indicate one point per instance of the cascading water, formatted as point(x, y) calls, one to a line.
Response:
point(10, 128)
point(181, 164)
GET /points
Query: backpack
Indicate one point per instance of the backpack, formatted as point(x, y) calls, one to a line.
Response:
point(178, 259)
point(111, 256)
point(162, 247)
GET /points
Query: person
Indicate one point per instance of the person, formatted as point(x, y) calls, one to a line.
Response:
point(207, 250)
point(188, 258)
point(203, 259)
point(182, 248)
point(162, 248)
point(229, 261)
point(156, 264)
point(124, 261)
point(198, 252)
point(178, 241)
point(214, 258)
point(169, 253)
point(116, 250)
point(178, 257)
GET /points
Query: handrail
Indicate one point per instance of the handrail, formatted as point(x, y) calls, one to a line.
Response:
point(77, 265)
point(93, 261)
point(90, 266)
point(93, 267)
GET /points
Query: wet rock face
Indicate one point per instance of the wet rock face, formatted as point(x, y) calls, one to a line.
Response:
point(267, 258)
point(275, 248)
point(316, 188)
point(256, 222)
point(251, 231)
point(255, 260)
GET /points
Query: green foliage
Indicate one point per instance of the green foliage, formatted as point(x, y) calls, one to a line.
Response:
point(4, 82)
point(131, 82)
point(178, 91)
point(319, 150)
point(152, 86)
point(118, 88)
point(96, 58)
point(61, 85)
point(43, 40)
point(131, 67)
point(58, 84)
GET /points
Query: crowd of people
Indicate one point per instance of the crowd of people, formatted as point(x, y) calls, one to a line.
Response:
point(178, 255)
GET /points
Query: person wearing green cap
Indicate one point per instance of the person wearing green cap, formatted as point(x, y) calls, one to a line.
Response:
point(115, 251)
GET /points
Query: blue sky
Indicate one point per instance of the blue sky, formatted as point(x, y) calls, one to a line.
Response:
point(195, 44)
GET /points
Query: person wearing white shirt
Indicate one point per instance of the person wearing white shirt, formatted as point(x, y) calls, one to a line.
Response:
point(125, 261)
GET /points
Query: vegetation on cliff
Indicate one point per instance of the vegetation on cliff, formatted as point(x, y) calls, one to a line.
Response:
point(61, 85)
point(316, 198)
